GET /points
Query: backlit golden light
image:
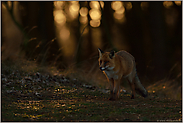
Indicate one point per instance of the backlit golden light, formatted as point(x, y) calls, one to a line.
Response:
point(74, 9)
point(83, 11)
point(128, 5)
point(63, 13)
point(102, 4)
point(3, 6)
point(96, 38)
point(144, 5)
point(94, 5)
point(95, 23)
point(121, 10)
point(59, 17)
point(84, 29)
point(167, 4)
point(116, 5)
point(83, 19)
point(178, 3)
point(9, 3)
point(58, 4)
point(95, 14)
point(74, 2)
point(118, 16)
point(64, 33)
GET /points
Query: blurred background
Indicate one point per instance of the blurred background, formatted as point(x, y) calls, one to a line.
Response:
point(65, 34)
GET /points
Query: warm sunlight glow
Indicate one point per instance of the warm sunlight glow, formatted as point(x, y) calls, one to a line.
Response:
point(94, 5)
point(116, 5)
point(128, 5)
point(58, 4)
point(95, 14)
point(102, 4)
point(64, 33)
point(121, 10)
point(3, 6)
point(10, 3)
point(167, 4)
point(74, 2)
point(83, 11)
point(144, 5)
point(85, 31)
point(83, 20)
point(178, 3)
point(119, 17)
point(74, 9)
point(96, 38)
point(95, 23)
point(59, 17)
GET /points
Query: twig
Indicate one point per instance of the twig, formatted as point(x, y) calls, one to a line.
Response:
point(79, 41)
point(170, 71)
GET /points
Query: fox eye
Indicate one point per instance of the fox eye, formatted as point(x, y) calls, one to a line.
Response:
point(106, 62)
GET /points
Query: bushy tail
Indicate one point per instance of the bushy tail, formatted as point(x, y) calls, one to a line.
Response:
point(139, 88)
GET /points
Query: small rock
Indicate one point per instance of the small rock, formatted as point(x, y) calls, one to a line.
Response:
point(28, 78)
point(38, 74)
point(58, 84)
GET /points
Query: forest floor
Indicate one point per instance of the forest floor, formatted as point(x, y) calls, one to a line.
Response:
point(41, 96)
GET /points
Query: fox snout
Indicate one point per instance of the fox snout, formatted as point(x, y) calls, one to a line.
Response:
point(102, 69)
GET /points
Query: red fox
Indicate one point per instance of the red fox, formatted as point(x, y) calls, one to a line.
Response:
point(117, 66)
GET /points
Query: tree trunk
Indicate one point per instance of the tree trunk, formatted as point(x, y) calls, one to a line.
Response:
point(157, 29)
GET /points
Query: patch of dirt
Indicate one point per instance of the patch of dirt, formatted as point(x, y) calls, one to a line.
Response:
point(44, 97)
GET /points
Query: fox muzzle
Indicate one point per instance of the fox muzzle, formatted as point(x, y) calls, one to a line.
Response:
point(102, 68)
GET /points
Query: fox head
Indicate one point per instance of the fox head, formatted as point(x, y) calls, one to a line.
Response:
point(106, 60)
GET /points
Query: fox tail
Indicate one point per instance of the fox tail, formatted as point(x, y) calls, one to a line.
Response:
point(139, 88)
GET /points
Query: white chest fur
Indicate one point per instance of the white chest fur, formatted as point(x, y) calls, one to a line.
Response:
point(111, 74)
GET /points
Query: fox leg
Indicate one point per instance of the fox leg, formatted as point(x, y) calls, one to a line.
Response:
point(111, 82)
point(132, 85)
point(116, 89)
point(133, 90)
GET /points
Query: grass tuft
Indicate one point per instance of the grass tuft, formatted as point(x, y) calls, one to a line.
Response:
point(36, 93)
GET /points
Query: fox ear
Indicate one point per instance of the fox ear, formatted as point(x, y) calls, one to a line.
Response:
point(100, 52)
point(111, 55)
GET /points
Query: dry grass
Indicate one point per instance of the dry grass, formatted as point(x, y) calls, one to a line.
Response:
point(26, 66)
point(92, 75)
point(166, 89)
point(60, 100)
